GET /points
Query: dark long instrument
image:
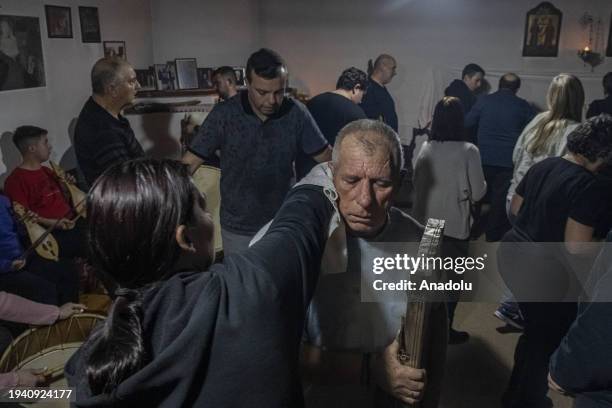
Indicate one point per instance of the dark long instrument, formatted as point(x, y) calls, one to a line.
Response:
point(415, 324)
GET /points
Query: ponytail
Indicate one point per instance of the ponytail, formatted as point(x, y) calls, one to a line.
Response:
point(370, 68)
point(117, 348)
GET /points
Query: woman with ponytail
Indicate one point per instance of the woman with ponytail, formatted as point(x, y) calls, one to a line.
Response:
point(183, 333)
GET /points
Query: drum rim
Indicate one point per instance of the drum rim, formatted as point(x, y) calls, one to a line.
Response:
point(10, 349)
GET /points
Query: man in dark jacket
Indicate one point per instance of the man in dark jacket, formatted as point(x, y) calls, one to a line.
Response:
point(599, 106)
point(499, 118)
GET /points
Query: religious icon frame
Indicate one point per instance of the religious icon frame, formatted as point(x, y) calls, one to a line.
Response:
point(90, 24)
point(542, 31)
point(59, 21)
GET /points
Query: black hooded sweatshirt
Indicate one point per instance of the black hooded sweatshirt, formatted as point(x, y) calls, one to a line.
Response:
point(230, 336)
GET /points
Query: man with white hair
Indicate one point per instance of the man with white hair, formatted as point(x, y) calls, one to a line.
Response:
point(346, 337)
point(103, 136)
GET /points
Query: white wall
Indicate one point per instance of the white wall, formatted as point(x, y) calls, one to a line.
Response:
point(67, 66)
point(431, 39)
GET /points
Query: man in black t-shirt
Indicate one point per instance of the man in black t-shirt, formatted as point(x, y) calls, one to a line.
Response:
point(333, 110)
point(103, 136)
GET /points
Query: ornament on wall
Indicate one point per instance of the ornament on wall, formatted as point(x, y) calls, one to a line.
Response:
point(590, 54)
point(542, 31)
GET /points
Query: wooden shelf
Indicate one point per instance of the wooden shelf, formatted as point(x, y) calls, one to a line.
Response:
point(176, 93)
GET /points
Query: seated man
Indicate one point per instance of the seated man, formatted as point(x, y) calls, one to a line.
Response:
point(37, 189)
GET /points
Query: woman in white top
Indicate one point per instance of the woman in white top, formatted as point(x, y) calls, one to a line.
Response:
point(546, 135)
point(448, 178)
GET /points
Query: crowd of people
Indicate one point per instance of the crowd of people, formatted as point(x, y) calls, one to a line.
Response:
point(306, 192)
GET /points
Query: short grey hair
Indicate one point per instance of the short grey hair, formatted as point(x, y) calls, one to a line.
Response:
point(363, 130)
point(104, 73)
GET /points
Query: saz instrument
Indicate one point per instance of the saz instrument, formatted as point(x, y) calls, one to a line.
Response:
point(415, 324)
point(42, 241)
point(77, 197)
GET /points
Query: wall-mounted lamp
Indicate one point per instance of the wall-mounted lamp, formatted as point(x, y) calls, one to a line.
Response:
point(587, 54)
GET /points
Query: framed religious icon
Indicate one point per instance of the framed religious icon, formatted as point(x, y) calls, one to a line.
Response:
point(59, 21)
point(542, 31)
point(114, 49)
point(609, 49)
point(186, 73)
point(90, 25)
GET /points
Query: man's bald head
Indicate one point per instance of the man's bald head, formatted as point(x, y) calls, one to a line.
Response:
point(105, 72)
point(383, 68)
point(510, 81)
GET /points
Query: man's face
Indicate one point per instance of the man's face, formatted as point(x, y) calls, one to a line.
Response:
point(41, 149)
point(222, 86)
point(364, 183)
point(266, 95)
point(388, 69)
point(126, 86)
point(473, 82)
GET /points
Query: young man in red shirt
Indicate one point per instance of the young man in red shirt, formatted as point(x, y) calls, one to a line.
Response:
point(37, 188)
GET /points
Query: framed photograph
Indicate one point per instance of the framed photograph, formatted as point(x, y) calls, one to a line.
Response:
point(186, 73)
point(90, 24)
point(59, 21)
point(165, 77)
point(240, 75)
point(146, 78)
point(21, 57)
point(609, 48)
point(114, 49)
point(205, 78)
point(542, 31)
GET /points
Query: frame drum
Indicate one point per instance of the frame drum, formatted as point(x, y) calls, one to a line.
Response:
point(50, 347)
point(208, 180)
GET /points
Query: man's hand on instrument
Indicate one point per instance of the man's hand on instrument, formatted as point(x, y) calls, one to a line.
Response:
point(70, 178)
point(403, 382)
point(68, 309)
point(31, 377)
point(65, 224)
point(18, 264)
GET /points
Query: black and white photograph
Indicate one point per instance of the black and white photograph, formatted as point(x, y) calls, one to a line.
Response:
point(115, 49)
point(186, 73)
point(90, 24)
point(240, 75)
point(165, 76)
point(205, 78)
point(21, 55)
point(59, 21)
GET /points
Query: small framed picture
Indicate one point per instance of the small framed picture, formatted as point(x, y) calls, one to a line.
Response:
point(146, 78)
point(205, 78)
point(240, 75)
point(542, 31)
point(165, 77)
point(114, 49)
point(186, 73)
point(90, 24)
point(59, 21)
